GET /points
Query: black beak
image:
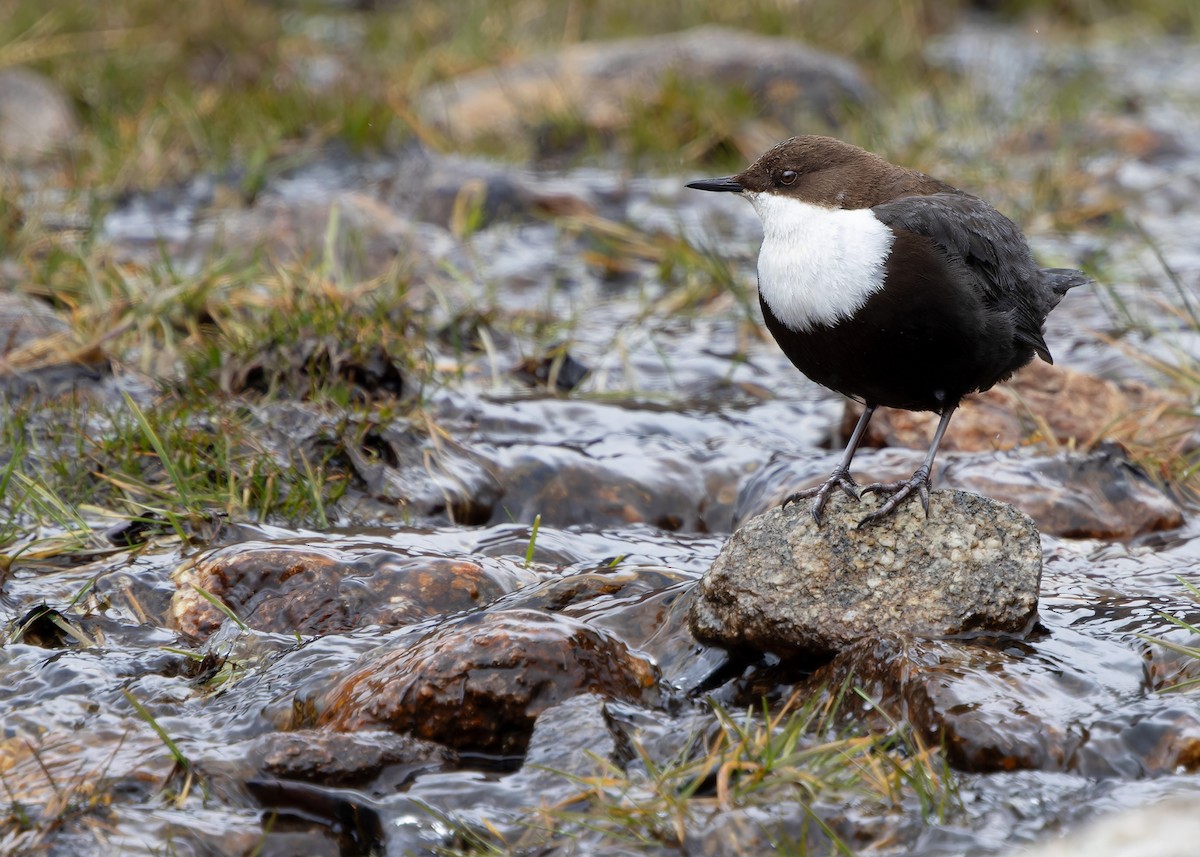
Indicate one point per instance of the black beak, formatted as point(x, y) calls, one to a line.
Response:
point(729, 185)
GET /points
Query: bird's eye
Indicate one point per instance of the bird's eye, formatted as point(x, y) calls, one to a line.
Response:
point(787, 177)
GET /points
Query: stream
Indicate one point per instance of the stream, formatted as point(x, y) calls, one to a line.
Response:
point(498, 605)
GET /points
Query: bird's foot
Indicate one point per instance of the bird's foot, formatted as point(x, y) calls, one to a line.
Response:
point(840, 478)
point(900, 491)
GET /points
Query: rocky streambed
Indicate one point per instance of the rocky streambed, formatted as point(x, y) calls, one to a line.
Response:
point(488, 645)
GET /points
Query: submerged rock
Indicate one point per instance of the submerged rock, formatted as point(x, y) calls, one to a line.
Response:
point(1099, 494)
point(479, 684)
point(645, 606)
point(597, 83)
point(571, 740)
point(784, 584)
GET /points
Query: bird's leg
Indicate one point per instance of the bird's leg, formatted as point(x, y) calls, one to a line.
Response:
point(840, 478)
point(918, 482)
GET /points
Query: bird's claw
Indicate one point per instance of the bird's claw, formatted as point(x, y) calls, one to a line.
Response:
point(840, 478)
point(899, 491)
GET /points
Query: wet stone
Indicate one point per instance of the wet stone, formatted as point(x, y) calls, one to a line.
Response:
point(596, 82)
point(570, 489)
point(480, 683)
point(430, 479)
point(1168, 669)
point(462, 195)
point(319, 591)
point(311, 820)
point(758, 829)
point(1099, 494)
point(786, 585)
point(972, 700)
point(571, 739)
point(646, 607)
point(1000, 705)
point(355, 233)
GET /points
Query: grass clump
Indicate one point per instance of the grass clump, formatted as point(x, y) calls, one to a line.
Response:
point(168, 465)
point(793, 766)
point(226, 345)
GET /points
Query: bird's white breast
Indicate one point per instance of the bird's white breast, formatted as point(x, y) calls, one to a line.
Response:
point(818, 265)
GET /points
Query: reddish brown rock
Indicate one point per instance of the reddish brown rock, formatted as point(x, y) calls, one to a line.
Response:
point(971, 700)
point(322, 590)
point(644, 606)
point(1042, 401)
point(480, 683)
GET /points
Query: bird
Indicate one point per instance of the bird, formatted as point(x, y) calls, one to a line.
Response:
point(890, 287)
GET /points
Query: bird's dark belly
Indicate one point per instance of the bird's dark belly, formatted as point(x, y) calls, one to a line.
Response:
point(920, 355)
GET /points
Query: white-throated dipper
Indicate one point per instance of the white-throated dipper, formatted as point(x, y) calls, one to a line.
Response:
point(890, 287)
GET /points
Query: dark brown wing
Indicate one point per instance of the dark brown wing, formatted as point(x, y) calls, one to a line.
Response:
point(990, 247)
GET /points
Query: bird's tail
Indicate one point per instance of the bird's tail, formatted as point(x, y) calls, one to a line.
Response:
point(1062, 280)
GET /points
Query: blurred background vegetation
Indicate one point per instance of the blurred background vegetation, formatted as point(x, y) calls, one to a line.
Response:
point(165, 90)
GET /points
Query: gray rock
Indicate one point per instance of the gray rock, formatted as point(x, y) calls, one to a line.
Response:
point(36, 118)
point(783, 584)
point(596, 83)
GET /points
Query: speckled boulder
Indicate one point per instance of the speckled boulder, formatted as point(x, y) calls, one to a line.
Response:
point(785, 585)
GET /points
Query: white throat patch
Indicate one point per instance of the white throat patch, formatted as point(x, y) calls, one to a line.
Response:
point(818, 265)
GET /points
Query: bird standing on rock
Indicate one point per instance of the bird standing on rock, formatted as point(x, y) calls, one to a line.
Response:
point(890, 287)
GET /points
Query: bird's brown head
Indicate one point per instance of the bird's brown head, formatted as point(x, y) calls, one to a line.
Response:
point(824, 171)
